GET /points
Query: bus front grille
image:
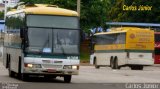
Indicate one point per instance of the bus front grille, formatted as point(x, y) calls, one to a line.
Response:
point(51, 66)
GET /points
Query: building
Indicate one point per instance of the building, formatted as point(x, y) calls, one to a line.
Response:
point(1, 7)
point(10, 3)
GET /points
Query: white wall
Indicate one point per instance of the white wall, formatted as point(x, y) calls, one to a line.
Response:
point(11, 3)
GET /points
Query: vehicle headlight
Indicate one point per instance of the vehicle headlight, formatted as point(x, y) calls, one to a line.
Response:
point(74, 67)
point(32, 65)
point(67, 67)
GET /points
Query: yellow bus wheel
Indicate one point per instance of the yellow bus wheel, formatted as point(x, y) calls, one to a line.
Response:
point(95, 63)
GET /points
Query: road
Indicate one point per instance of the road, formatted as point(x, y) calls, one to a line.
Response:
point(89, 78)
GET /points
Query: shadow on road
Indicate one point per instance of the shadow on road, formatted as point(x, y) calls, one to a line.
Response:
point(42, 79)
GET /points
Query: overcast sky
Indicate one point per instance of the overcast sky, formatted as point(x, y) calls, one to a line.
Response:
point(1, 1)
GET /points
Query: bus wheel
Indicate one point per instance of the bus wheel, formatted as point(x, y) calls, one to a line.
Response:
point(95, 63)
point(136, 67)
point(115, 64)
point(97, 67)
point(25, 77)
point(19, 75)
point(111, 63)
point(67, 78)
point(11, 73)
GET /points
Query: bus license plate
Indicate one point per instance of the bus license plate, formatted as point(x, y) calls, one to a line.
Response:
point(51, 70)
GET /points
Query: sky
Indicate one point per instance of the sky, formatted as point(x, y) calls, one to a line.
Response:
point(1, 1)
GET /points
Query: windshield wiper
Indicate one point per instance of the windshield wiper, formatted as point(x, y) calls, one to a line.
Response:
point(46, 42)
point(58, 41)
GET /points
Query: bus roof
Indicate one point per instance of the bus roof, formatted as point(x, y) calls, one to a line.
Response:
point(121, 30)
point(101, 33)
point(133, 24)
point(44, 9)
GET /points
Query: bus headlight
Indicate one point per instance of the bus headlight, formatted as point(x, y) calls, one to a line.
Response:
point(32, 65)
point(74, 67)
point(28, 65)
point(67, 67)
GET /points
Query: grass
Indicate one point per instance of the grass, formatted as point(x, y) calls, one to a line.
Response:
point(84, 57)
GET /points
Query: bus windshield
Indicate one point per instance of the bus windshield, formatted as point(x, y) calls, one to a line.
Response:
point(52, 21)
point(60, 41)
point(108, 39)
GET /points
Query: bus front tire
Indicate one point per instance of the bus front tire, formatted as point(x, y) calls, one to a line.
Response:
point(67, 78)
point(19, 75)
point(11, 73)
point(24, 77)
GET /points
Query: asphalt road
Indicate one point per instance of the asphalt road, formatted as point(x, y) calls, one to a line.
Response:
point(88, 78)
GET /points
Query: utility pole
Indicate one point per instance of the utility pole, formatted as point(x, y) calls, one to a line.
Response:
point(79, 7)
point(5, 9)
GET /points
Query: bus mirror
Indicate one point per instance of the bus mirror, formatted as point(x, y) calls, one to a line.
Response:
point(22, 33)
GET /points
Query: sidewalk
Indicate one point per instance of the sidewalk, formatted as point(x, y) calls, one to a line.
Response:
point(85, 64)
point(156, 65)
point(88, 64)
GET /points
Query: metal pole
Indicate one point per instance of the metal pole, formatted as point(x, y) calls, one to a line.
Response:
point(5, 9)
point(79, 7)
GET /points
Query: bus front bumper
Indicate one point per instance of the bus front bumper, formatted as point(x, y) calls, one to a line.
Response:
point(140, 61)
point(51, 71)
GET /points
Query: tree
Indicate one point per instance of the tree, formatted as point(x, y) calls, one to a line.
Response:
point(1, 15)
point(68, 4)
point(93, 12)
point(117, 14)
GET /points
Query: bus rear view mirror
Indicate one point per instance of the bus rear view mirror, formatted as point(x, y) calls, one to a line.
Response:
point(22, 33)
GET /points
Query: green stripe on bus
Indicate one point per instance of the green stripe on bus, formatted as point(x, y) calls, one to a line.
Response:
point(126, 50)
point(46, 56)
point(61, 56)
point(108, 51)
point(145, 51)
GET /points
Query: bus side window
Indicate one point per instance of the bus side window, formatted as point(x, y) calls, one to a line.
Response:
point(120, 38)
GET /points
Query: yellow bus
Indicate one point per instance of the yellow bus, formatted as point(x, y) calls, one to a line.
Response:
point(42, 40)
point(123, 46)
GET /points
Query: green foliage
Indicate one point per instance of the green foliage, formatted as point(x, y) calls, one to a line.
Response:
point(68, 4)
point(117, 14)
point(1, 15)
point(93, 12)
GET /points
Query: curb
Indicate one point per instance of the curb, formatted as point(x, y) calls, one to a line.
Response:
point(85, 64)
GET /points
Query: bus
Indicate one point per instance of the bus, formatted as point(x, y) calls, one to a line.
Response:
point(42, 40)
point(157, 48)
point(123, 46)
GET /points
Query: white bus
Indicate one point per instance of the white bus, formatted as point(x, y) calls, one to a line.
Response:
point(42, 40)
